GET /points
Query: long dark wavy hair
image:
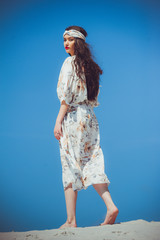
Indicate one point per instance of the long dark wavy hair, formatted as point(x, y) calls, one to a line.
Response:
point(84, 59)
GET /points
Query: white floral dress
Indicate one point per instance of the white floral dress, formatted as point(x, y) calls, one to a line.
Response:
point(81, 155)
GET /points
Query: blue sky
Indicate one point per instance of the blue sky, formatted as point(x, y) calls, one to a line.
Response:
point(125, 37)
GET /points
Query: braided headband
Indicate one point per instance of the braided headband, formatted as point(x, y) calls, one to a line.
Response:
point(74, 33)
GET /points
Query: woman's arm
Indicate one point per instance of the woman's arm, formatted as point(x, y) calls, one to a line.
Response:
point(58, 125)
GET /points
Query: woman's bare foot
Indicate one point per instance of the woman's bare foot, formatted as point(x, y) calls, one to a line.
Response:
point(67, 224)
point(111, 216)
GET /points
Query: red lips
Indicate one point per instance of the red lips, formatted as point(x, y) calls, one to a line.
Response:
point(66, 47)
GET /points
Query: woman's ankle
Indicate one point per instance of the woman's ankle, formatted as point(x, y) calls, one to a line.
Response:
point(71, 220)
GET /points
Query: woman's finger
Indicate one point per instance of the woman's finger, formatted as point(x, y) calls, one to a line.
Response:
point(55, 134)
point(58, 138)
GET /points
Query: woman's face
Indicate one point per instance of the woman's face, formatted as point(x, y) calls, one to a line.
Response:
point(69, 44)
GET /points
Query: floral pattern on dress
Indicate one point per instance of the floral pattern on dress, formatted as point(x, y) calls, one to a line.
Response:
point(82, 158)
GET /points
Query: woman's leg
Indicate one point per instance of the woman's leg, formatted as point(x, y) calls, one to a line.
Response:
point(112, 210)
point(71, 198)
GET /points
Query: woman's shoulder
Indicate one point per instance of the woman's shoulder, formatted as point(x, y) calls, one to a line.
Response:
point(68, 63)
point(69, 59)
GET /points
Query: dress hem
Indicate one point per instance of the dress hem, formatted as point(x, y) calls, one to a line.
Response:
point(85, 186)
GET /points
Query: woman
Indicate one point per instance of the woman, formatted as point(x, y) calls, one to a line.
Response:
point(76, 127)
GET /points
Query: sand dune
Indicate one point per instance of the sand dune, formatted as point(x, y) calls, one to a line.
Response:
point(133, 230)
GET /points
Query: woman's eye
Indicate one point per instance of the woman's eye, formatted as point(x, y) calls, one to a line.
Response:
point(70, 39)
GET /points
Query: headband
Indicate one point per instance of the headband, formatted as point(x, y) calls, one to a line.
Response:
point(74, 33)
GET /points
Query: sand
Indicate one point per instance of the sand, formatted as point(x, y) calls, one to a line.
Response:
point(132, 230)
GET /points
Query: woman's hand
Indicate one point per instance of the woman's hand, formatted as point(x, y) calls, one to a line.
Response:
point(58, 126)
point(58, 130)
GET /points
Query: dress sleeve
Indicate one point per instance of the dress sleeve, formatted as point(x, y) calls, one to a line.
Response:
point(65, 82)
